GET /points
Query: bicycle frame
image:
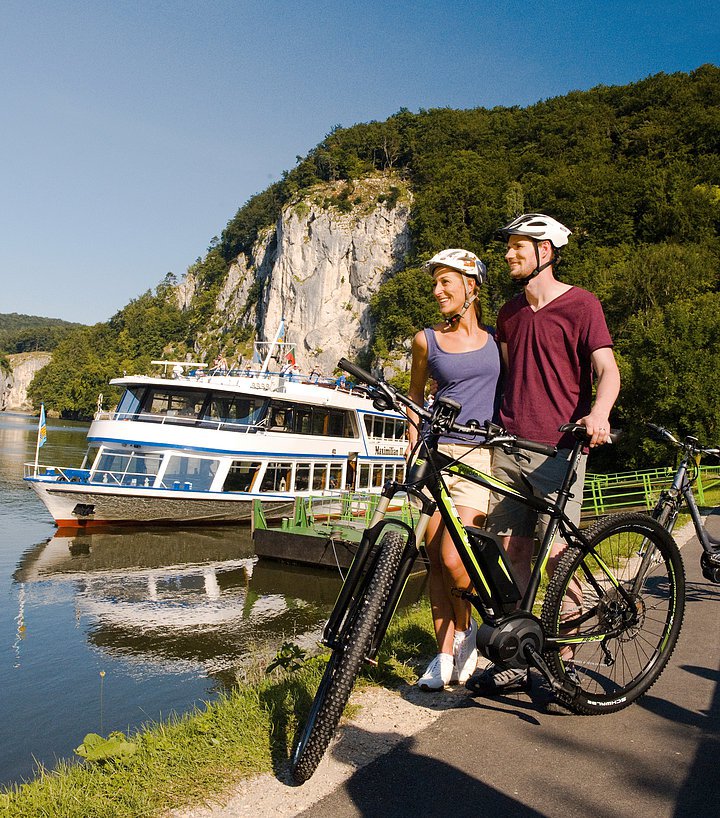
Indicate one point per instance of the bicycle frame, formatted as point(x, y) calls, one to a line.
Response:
point(426, 473)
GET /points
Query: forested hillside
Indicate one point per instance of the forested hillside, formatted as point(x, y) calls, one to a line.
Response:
point(29, 333)
point(634, 171)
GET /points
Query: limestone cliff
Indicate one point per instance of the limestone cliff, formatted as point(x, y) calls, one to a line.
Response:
point(14, 386)
point(317, 267)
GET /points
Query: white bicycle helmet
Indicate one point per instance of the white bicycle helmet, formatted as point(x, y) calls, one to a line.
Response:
point(537, 226)
point(463, 261)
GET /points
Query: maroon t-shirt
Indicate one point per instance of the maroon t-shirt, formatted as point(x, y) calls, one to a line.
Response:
point(549, 377)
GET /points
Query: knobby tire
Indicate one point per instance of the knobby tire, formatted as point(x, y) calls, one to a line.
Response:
point(346, 660)
point(621, 649)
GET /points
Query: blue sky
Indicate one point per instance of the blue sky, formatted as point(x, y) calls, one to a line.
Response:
point(133, 130)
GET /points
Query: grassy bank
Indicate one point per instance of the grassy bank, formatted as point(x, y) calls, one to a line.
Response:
point(177, 763)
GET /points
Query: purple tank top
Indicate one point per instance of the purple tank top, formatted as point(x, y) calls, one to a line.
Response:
point(470, 378)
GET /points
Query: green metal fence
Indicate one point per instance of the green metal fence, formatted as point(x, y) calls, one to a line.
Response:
point(639, 489)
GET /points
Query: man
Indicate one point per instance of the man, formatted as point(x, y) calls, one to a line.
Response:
point(553, 337)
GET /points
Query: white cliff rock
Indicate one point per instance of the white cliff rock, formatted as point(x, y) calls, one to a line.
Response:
point(24, 366)
point(318, 268)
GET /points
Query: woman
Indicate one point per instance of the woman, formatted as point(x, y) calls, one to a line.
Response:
point(461, 356)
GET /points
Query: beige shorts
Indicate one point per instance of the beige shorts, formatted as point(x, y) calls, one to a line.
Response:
point(462, 491)
point(535, 474)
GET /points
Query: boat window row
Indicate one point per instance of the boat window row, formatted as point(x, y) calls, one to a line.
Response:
point(189, 473)
point(385, 427)
point(219, 410)
point(375, 475)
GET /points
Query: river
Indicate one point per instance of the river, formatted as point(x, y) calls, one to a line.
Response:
point(109, 631)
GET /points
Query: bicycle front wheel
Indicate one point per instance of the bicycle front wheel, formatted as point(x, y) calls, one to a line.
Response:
point(614, 645)
point(346, 660)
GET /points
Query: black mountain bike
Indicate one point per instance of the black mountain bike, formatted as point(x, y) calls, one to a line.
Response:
point(670, 501)
point(601, 634)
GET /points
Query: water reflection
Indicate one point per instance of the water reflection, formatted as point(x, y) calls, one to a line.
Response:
point(162, 599)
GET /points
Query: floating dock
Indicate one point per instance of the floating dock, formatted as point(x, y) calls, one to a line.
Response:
point(321, 533)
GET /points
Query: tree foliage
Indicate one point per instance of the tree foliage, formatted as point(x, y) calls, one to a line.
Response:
point(86, 359)
point(29, 333)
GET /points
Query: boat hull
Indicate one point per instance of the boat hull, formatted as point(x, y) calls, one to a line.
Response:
point(81, 506)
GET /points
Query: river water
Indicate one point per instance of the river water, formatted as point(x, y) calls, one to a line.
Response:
point(109, 631)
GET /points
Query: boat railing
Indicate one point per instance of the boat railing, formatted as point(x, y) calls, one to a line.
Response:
point(173, 419)
point(57, 473)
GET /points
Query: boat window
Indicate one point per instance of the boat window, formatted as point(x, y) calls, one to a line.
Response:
point(400, 472)
point(335, 424)
point(319, 479)
point(280, 419)
point(311, 420)
point(241, 475)
point(377, 474)
point(302, 477)
point(190, 473)
point(277, 477)
point(385, 428)
point(303, 421)
point(234, 410)
point(336, 476)
point(319, 424)
point(183, 407)
point(126, 468)
point(364, 478)
point(129, 403)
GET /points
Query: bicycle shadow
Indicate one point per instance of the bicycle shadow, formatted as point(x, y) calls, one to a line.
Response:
point(701, 592)
point(404, 792)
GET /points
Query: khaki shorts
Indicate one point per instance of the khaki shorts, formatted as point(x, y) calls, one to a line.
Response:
point(536, 474)
point(462, 491)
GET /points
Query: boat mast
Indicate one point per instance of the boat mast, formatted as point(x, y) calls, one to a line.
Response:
point(278, 337)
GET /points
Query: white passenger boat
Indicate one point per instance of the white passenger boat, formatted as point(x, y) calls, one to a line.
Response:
point(199, 448)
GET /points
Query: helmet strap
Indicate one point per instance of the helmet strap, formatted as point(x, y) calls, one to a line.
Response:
point(523, 282)
point(458, 315)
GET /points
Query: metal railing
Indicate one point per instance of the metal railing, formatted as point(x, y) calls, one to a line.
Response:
point(639, 489)
point(183, 420)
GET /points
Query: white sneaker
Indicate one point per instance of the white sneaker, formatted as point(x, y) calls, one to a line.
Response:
point(438, 674)
point(465, 653)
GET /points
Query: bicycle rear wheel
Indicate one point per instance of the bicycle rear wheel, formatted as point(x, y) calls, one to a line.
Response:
point(346, 660)
point(615, 649)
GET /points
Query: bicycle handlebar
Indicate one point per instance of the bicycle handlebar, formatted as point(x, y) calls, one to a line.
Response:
point(358, 372)
point(494, 435)
point(690, 443)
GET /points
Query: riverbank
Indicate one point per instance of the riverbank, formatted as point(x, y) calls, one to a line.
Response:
point(205, 757)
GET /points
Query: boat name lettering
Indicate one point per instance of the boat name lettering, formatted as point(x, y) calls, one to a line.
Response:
point(387, 450)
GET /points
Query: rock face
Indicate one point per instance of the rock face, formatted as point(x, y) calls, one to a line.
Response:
point(13, 393)
point(317, 269)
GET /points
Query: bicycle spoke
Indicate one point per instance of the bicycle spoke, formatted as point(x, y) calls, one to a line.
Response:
point(636, 602)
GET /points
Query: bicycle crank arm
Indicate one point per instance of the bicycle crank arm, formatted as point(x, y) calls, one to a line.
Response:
point(567, 688)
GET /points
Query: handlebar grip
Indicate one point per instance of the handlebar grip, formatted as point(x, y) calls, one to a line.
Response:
point(534, 446)
point(358, 372)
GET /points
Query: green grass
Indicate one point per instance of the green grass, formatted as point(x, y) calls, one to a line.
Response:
point(189, 758)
